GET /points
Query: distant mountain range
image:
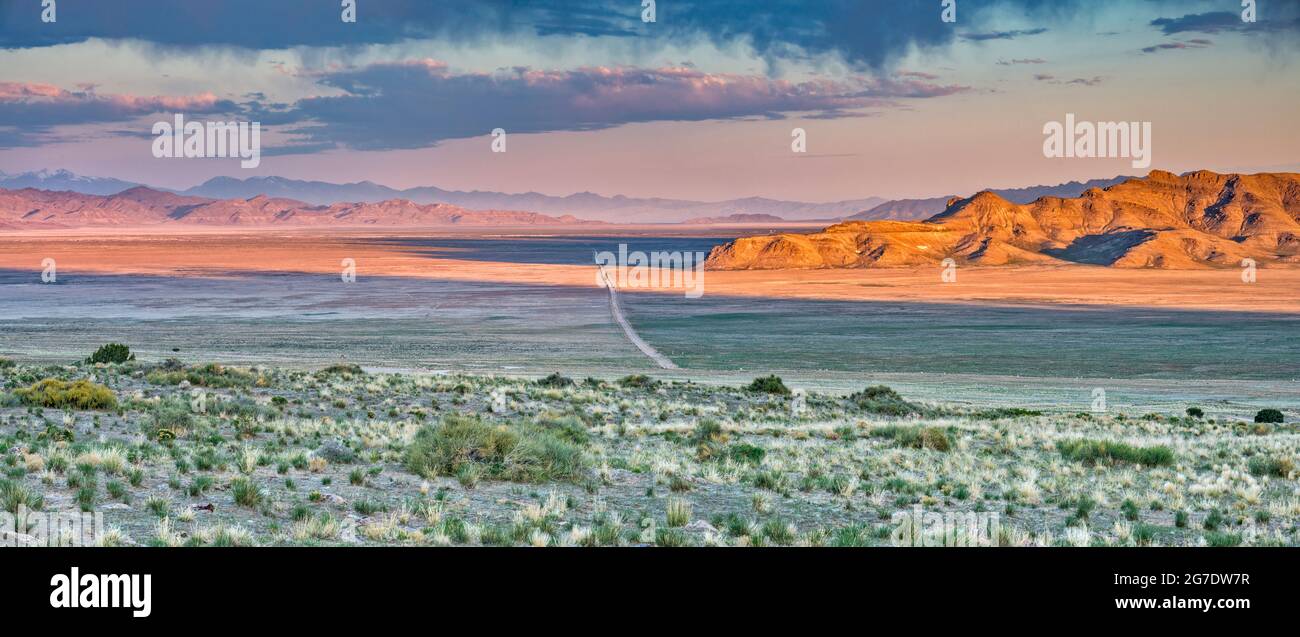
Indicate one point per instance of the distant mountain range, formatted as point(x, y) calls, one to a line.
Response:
point(64, 180)
point(585, 205)
point(1200, 219)
point(915, 209)
point(139, 206)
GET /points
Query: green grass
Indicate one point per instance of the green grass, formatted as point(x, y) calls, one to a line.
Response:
point(1093, 452)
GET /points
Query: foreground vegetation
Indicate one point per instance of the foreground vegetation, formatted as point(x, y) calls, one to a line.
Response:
point(176, 454)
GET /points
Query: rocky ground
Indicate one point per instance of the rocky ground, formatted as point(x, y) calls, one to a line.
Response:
point(175, 454)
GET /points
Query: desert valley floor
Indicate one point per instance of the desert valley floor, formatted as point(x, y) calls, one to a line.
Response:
point(996, 378)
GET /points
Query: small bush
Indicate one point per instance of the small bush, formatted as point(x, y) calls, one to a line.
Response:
point(916, 437)
point(111, 353)
point(1094, 452)
point(555, 381)
point(342, 369)
point(168, 420)
point(638, 381)
point(880, 399)
point(80, 394)
point(516, 453)
point(1269, 416)
point(769, 385)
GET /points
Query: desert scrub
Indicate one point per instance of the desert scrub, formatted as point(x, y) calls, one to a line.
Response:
point(1094, 452)
point(515, 453)
point(169, 419)
point(769, 385)
point(881, 399)
point(555, 381)
point(915, 436)
point(638, 381)
point(111, 353)
point(80, 394)
point(210, 375)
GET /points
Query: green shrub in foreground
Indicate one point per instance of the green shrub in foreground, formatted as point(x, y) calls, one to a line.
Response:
point(515, 453)
point(61, 394)
point(1105, 451)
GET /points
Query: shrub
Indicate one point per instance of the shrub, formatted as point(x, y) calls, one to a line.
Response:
point(915, 436)
point(210, 375)
point(80, 394)
point(880, 399)
point(769, 385)
point(1195, 412)
point(111, 353)
point(168, 420)
point(555, 381)
point(1269, 416)
point(638, 381)
point(342, 369)
point(514, 453)
point(1094, 452)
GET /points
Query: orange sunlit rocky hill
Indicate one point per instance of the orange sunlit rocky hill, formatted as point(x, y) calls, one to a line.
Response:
point(1201, 219)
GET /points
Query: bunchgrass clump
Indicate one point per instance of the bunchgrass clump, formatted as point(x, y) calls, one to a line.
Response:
point(915, 436)
point(515, 453)
point(1093, 452)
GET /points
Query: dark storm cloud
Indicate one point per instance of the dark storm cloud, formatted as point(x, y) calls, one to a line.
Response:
point(418, 104)
point(865, 33)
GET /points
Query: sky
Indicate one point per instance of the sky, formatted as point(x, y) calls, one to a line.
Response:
point(698, 104)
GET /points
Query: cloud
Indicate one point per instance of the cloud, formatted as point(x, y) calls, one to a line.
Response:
point(1214, 22)
point(1022, 61)
point(1271, 18)
point(416, 104)
point(863, 34)
point(1080, 81)
point(1002, 35)
point(1196, 43)
point(30, 110)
